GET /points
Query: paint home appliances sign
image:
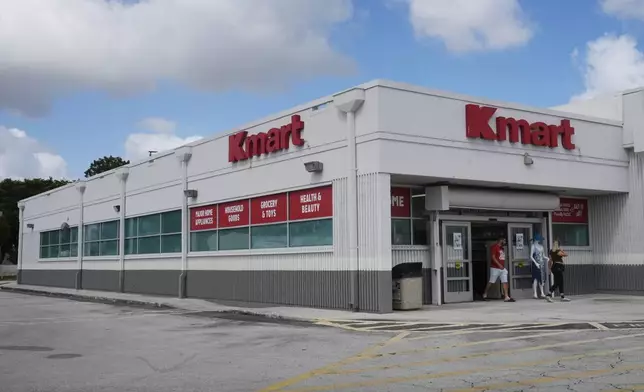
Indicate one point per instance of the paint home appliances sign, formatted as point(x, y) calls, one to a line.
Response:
point(242, 147)
point(477, 125)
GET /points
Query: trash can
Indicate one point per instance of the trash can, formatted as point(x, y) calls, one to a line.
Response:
point(407, 282)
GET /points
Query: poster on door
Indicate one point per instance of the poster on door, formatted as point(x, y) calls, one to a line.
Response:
point(519, 241)
point(457, 241)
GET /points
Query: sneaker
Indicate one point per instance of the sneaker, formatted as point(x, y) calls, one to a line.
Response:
point(565, 299)
point(510, 300)
point(535, 296)
point(549, 299)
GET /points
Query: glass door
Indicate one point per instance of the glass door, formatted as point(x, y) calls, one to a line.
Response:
point(519, 264)
point(457, 262)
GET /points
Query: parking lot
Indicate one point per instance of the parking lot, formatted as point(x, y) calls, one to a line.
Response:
point(51, 344)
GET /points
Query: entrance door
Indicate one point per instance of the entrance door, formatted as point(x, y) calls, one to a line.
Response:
point(457, 258)
point(519, 261)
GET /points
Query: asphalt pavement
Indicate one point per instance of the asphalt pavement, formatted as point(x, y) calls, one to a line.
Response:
point(55, 345)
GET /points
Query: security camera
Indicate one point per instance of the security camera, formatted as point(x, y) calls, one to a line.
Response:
point(117, 208)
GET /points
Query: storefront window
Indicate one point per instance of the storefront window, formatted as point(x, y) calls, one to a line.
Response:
point(571, 234)
point(269, 236)
point(203, 241)
point(570, 222)
point(311, 233)
point(401, 232)
point(101, 239)
point(408, 223)
point(153, 234)
point(59, 243)
point(233, 239)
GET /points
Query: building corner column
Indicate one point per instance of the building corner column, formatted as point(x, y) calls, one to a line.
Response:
point(21, 224)
point(349, 102)
point(81, 186)
point(183, 155)
point(122, 174)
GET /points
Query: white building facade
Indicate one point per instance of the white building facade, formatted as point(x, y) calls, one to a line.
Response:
point(316, 205)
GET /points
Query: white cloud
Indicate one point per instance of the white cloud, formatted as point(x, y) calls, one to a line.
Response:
point(467, 25)
point(612, 63)
point(158, 124)
point(624, 9)
point(22, 156)
point(161, 136)
point(54, 47)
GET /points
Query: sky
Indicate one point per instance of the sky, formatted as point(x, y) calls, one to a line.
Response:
point(82, 79)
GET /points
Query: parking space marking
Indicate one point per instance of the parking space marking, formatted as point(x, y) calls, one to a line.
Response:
point(396, 380)
point(326, 369)
point(480, 355)
point(626, 388)
point(550, 379)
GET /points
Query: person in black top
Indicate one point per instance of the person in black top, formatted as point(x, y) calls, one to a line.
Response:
point(557, 266)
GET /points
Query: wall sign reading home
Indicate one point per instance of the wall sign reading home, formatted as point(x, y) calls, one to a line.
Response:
point(242, 147)
point(477, 126)
point(203, 218)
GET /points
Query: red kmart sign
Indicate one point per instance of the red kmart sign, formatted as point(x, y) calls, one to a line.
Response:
point(242, 147)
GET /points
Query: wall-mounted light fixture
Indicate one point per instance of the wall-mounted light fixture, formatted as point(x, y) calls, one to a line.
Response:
point(64, 226)
point(117, 208)
point(30, 226)
point(527, 159)
point(313, 166)
point(191, 193)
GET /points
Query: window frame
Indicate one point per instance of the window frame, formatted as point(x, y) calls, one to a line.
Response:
point(161, 235)
point(100, 241)
point(587, 224)
point(71, 257)
point(410, 221)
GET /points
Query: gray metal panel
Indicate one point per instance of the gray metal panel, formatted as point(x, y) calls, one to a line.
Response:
point(155, 282)
point(100, 280)
point(54, 278)
point(624, 278)
point(579, 279)
point(427, 286)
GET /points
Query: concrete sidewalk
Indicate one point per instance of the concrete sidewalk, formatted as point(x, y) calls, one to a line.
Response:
point(590, 309)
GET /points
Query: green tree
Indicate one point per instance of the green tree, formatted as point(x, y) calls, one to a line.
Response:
point(104, 164)
point(11, 192)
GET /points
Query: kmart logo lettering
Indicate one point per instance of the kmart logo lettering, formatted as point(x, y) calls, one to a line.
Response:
point(242, 147)
point(477, 124)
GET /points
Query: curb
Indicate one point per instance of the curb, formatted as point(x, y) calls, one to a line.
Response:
point(156, 305)
point(90, 298)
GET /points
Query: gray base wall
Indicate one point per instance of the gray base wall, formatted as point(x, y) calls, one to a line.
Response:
point(319, 289)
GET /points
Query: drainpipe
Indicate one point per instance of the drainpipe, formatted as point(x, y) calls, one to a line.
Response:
point(183, 155)
point(80, 186)
point(122, 175)
point(21, 220)
point(349, 102)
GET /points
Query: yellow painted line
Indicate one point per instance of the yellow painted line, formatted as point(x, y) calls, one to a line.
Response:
point(391, 326)
point(629, 388)
point(599, 326)
point(482, 355)
point(331, 324)
point(550, 379)
point(395, 380)
point(479, 342)
point(325, 369)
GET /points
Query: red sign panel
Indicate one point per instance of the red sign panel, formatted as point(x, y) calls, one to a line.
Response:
point(312, 203)
point(571, 211)
point(400, 202)
point(268, 209)
point(233, 214)
point(203, 218)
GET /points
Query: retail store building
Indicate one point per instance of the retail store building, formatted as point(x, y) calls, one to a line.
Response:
point(315, 205)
